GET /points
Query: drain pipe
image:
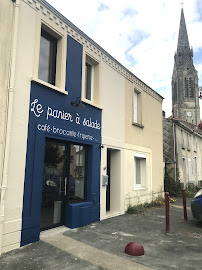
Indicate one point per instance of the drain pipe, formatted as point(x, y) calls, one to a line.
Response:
point(7, 135)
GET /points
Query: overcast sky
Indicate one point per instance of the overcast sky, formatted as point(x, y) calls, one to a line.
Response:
point(141, 35)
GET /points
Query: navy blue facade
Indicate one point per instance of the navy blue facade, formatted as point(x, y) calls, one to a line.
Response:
point(51, 115)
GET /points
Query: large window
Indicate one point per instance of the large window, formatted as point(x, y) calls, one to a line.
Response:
point(77, 179)
point(47, 57)
point(140, 171)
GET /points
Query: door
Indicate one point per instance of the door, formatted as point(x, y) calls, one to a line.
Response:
point(54, 185)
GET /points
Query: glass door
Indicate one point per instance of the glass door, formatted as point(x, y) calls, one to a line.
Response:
point(54, 185)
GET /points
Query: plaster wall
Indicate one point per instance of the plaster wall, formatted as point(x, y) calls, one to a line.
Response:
point(112, 86)
point(6, 30)
point(114, 96)
point(190, 153)
point(18, 142)
point(147, 139)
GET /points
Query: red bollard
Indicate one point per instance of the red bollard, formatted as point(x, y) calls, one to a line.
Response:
point(184, 204)
point(167, 212)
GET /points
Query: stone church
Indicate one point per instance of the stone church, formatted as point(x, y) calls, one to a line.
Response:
point(182, 136)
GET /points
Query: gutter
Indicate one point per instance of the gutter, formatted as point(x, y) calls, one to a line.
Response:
point(8, 122)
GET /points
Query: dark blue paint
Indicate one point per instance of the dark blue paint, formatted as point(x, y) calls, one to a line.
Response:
point(78, 214)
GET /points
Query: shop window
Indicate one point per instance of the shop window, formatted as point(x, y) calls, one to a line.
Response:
point(140, 172)
point(78, 168)
point(47, 57)
point(91, 81)
point(137, 109)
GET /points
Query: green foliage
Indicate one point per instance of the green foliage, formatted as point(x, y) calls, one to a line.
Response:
point(191, 190)
point(141, 208)
point(170, 185)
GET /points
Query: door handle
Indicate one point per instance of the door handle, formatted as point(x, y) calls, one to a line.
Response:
point(65, 185)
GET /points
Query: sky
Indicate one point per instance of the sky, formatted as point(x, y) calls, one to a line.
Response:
point(141, 35)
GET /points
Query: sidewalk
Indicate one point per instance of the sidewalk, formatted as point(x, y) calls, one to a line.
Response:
point(101, 245)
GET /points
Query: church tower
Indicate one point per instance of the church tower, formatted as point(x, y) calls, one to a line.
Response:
point(185, 101)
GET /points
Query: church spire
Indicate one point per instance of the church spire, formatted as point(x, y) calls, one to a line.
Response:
point(184, 52)
point(185, 100)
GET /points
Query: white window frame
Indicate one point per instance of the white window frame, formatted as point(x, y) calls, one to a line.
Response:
point(91, 83)
point(189, 170)
point(61, 36)
point(182, 139)
point(135, 107)
point(141, 156)
point(184, 170)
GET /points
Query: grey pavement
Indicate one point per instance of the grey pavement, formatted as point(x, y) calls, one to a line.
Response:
point(101, 245)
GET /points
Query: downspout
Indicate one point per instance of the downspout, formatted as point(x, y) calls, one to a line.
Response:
point(8, 121)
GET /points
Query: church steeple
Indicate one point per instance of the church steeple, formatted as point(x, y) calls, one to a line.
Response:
point(185, 102)
point(184, 52)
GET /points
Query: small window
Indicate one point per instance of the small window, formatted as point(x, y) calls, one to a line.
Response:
point(47, 57)
point(188, 142)
point(137, 108)
point(91, 80)
point(88, 81)
point(189, 170)
point(140, 173)
point(182, 139)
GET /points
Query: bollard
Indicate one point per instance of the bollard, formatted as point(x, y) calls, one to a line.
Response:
point(167, 212)
point(184, 204)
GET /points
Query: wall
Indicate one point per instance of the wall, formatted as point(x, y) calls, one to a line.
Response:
point(147, 139)
point(112, 86)
point(6, 37)
point(189, 153)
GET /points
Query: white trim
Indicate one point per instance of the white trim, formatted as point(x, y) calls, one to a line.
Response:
point(53, 87)
point(140, 155)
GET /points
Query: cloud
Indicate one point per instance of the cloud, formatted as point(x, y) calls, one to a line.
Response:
point(102, 7)
point(141, 35)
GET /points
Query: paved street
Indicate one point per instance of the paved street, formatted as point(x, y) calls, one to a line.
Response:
point(101, 245)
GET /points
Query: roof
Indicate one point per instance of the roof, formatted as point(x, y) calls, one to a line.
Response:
point(59, 15)
point(184, 124)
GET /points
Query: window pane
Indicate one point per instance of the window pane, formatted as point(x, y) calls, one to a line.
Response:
point(44, 59)
point(47, 58)
point(77, 173)
point(138, 171)
point(135, 107)
point(88, 78)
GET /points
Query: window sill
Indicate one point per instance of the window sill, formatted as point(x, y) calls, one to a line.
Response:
point(139, 188)
point(138, 125)
point(53, 87)
point(91, 103)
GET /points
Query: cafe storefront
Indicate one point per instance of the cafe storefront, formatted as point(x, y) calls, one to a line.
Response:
point(62, 175)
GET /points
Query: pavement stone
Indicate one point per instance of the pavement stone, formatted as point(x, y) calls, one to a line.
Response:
point(98, 245)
